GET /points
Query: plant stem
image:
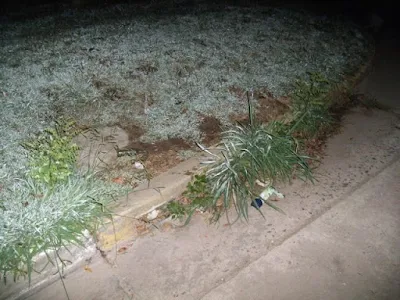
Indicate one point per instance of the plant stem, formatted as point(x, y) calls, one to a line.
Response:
point(297, 122)
point(61, 277)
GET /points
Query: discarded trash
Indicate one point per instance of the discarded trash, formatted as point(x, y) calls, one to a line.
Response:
point(138, 165)
point(265, 195)
point(153, 215)
point(269, 191)
point(263, 184)
point(88, 269)
point(257, 203)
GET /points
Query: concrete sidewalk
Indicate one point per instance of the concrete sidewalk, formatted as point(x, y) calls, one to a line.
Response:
point(351, 252)
point(382, 82)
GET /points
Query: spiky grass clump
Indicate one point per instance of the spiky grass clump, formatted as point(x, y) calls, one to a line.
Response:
point(253, 153)
point(37, 218)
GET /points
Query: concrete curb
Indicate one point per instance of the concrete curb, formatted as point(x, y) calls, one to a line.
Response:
point(144, 199)
point(74, 256)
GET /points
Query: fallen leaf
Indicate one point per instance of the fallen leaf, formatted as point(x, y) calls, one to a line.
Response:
point(88, 269)
point(141, 229)
point(118, 180)
point(122, 249)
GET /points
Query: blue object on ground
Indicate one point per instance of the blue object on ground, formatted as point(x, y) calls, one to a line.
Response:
point(257, 203)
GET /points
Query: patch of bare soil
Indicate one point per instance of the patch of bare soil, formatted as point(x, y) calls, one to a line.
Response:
point(210, 127)
point(268, 108)
point(139, 161)
point(162, 155)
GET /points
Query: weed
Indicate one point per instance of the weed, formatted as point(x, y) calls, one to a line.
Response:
point(198, 193)
point(176, 209)
point(53, 206)
point(196, 197)
point(310, 106)
point(52, 155)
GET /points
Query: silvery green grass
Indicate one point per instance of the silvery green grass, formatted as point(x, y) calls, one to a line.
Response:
point(155, 69)
point(36, 218)
point(53, 205)
point(100, 67)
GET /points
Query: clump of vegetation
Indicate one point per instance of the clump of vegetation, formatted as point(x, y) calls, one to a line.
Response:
point(176, 209)
point(254, 156)
point(265, 153)
point(52, 155)
point(52, 207)
point(196, 197)
point(198, 194)
point(310, 105)
point(251, 154)
point(43, 219)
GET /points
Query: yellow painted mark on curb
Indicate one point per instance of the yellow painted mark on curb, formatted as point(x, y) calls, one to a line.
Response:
point(121, 230)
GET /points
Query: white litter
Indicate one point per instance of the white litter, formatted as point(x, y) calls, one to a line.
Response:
point(268, 192)
point(139, 165)
point(153, 215)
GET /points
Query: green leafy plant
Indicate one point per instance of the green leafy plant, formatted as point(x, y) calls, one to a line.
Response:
point(310, 106)
point(52, 155)
point(198, 192)
point(176, 209)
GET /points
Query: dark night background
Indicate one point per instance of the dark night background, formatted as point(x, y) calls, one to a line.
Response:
point(357, 10)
